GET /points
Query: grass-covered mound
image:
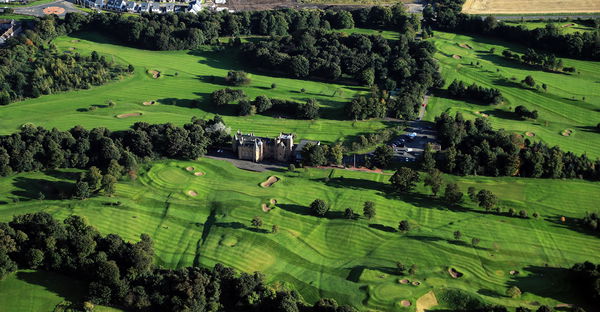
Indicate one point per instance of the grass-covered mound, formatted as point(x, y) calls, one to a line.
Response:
point(353, 261)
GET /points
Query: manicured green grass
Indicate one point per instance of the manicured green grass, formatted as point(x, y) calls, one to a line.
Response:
point(31, 3)
point(352, 261)
point(564, 27)
point(18, 17)
point(28, 290)
point(185, 76)
point(561, 107)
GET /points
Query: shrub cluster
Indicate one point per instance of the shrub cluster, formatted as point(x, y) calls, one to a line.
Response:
point(460, 90)
point(226, 96)
point(263, 104)
point(523, 112)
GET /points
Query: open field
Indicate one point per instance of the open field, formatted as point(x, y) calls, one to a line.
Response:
point(530, 6)
point(350, 260)
point(561, 107)
point(565, 27)
point(186, 76)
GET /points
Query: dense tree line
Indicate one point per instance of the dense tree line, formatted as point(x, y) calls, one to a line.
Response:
point(389, 17)
point(36, 148)
point(460, 90)
point(446, 15)
point(178, 31)
point(30, 66)
point(123, 274)
point(472, 147)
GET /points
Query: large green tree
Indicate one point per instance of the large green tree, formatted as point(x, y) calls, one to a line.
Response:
point(404, 179)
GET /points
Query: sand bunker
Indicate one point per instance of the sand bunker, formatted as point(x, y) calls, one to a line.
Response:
point(514, 272)
point(149, 103)
point(155, 73)
point(456, 57)
point(404, 281)
point(265, 208)
point(75, 41)
point(482, 114)
point(128, 115)
point(192, 193)
point(566, 132)
point(405, 303)
point(199, 173)
point(464, 45)
point(270, 181)
point(416, 283)
point(568, 25)
point(529, 134)
point(190, 168)
point(273, 201)
point(454, 273)
point(71, 48)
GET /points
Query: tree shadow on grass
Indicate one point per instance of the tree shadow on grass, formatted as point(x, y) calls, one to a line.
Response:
point(592, 129)
point(352, 183)
point(426, 201)
point(499, 113)
point(71, 290)
point(257, 230)
point(489, 293)
point(231, 225)
point(298, 209)
point(31, 188)
point(571, 224)
point(356, 272)
point(425, 238)
point(382, 227)
point(549, 282)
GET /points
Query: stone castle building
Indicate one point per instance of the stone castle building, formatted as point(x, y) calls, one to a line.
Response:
point(257, 149)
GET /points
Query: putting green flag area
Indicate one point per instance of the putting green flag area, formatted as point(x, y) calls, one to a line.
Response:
point(361, 158)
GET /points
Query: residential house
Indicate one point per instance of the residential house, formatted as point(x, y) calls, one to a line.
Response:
point(169, 7)
point(98, 4)
point(116, 5)
point(131, 6)
point(194, 7)
point(145, 7)
point(155, 8)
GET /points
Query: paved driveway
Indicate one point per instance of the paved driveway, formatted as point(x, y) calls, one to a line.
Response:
point(57, 6)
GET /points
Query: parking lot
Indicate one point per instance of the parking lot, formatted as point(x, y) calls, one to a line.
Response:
point(410, 146)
